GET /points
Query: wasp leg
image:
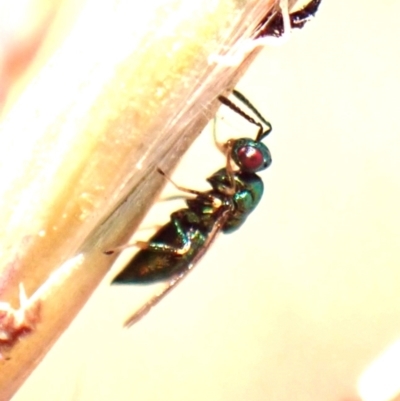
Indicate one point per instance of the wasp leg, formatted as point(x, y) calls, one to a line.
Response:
point(184, 189)
point(178, 187)
point(220, 146)
point(160, 246)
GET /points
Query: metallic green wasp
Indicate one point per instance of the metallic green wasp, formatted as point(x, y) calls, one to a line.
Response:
point(172, 252)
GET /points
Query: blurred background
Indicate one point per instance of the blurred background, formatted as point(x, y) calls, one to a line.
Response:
point(300, 302)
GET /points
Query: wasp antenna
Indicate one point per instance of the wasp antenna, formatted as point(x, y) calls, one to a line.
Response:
point(239, 111)
point(247, 103)
point(262, 132)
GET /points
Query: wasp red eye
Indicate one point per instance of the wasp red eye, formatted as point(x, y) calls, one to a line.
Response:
point(250, 155)
point(250, 158)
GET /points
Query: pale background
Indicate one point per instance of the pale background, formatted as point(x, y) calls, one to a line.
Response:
point(305, 296)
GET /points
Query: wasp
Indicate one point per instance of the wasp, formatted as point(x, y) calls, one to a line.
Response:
point(236, 189)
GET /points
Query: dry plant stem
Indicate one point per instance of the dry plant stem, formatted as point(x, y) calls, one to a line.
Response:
point(23, 28)
point(126, 91)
